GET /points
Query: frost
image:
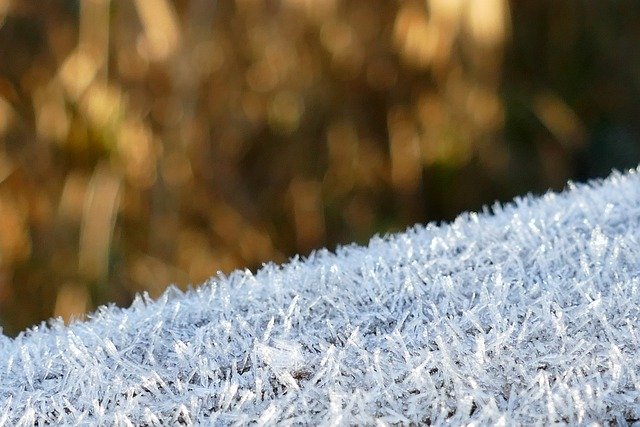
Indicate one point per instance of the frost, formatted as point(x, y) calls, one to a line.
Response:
point(528, 313)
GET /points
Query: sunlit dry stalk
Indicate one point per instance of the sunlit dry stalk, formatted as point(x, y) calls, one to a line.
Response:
point(98, 222)
point(160, 23)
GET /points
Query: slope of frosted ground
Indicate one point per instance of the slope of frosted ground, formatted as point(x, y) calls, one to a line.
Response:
point(526, 314)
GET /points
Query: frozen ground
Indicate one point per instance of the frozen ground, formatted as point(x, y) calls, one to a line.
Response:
point(527, 314)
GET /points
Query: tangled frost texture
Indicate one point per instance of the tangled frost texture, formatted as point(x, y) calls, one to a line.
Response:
point(526, 314)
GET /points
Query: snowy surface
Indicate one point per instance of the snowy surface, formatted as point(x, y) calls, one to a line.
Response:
point(530, 313)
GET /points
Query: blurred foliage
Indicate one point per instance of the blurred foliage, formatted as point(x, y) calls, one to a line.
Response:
point(144, 143)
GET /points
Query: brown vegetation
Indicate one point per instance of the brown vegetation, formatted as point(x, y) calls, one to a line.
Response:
point(144, 143)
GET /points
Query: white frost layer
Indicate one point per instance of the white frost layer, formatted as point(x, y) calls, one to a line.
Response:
point(527, 314)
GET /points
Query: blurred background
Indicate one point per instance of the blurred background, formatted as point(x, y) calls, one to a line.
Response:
point(144, 143)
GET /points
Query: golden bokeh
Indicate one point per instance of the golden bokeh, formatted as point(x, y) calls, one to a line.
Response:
point(147, 143)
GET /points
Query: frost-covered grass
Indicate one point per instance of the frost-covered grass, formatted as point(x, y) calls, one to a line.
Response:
point(530, 313)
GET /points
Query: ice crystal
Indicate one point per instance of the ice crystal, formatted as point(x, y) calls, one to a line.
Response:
point(526, 313)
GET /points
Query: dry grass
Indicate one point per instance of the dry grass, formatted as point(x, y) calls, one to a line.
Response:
point(144, 143)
